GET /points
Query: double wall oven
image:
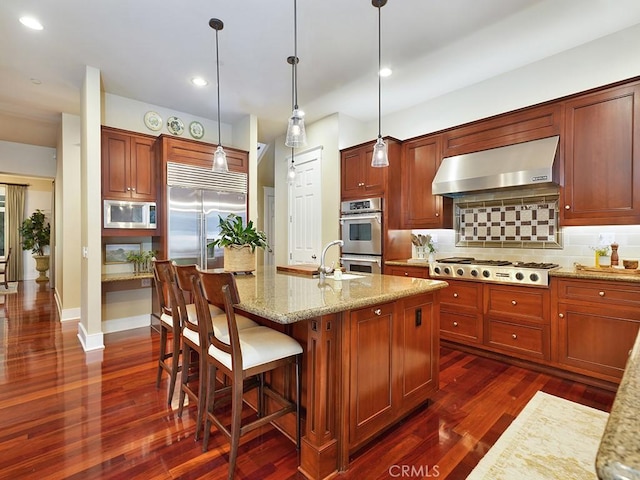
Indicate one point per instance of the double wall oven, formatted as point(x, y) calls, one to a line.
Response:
point(361, 227)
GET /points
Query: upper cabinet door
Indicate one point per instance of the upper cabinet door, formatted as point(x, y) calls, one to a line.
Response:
point(422, 209)
point(601, 165)
point(128, 167)
point(358, 177)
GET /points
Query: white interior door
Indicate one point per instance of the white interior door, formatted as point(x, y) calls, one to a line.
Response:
point(269, 223)
point(305, 209)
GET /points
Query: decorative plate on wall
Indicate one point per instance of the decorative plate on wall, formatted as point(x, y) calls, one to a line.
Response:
point(175, 126)
point(153, 121)
point(196, 130)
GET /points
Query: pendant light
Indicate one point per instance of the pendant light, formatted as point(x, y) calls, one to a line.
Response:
point(219, 157)
point(296, 134)
point(291, 171)
point(380, 156)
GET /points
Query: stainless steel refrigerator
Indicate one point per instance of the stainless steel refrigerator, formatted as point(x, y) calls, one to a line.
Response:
point(193, 219)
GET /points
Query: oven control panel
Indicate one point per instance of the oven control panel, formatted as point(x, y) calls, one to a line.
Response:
point(361, 206)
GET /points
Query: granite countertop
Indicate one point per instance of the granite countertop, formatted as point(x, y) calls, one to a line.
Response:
point(619, 453)
point(411, 262)
point(610, 275)
point(286, 298)
point(121, 277)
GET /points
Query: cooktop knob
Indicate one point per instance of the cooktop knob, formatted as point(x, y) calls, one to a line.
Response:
point(447, 270)
point(519, 276)
point(486, 273)
point(534, 277)
point(436, 270)
point(459, 271)
point(474, 273)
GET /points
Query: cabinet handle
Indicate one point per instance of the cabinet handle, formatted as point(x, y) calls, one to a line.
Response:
point(601, 294)
point(455, 295)
point(513, 302)
point(561, 315)
point(455, 324)
point(514, 336)
point(567, 207)
point(377, 311)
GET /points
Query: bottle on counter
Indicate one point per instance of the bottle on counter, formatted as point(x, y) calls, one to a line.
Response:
point(615, 259)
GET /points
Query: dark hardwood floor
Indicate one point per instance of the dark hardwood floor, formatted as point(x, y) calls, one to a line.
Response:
point(65, 414)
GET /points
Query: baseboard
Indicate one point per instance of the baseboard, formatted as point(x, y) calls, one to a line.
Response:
point(67, 314)
point(90, 342)
point(127, 323)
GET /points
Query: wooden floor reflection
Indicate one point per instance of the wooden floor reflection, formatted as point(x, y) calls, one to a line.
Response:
point(68, 415)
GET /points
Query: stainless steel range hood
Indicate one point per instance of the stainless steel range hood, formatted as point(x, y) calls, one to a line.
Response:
point(523, 164)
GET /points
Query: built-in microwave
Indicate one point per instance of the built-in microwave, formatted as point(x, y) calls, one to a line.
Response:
point(124, 214)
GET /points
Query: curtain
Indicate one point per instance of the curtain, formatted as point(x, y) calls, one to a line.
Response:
point(14, 214)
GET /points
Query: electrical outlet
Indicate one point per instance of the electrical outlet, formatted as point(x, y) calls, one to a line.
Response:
point(606, 238)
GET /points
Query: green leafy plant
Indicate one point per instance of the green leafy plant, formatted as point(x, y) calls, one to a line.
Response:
point(233, 232)
point(601, 250)
point(35, 233)
point(141, 261)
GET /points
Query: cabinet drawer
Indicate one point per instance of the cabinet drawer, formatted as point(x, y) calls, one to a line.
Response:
point(417, 272)
point(614, 293)
point(460, 327)
point(518, 302)
point(465, 294)
point(520, 338)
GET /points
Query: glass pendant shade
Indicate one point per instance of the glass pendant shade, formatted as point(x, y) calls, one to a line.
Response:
point(296, 133)
point(380, 156)
point(291, 173)
point(220, 160)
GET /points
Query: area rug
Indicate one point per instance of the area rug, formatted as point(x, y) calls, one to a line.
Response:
point(551, 438)
point(13, 288)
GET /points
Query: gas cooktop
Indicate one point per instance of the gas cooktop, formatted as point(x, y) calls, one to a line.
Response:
point(496, 271)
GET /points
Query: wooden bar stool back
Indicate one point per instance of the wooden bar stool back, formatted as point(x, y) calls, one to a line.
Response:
point(244, 356)
point(169, 321)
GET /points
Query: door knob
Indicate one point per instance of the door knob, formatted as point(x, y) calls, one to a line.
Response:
point(313, 256)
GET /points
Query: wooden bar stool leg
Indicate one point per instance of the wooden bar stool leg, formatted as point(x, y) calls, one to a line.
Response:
point(175, 364)
point(298, 397)
point(236, 416)
point(186, 364)
point(163, 347)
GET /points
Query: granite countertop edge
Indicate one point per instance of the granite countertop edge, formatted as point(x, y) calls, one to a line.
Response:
point(589, 275)
point(293, 317)
point(618, 455)
point(121, 277)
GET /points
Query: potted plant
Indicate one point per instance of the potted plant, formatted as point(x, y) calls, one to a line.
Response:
point(239, 242)
point(36, 235)
point(141, 261)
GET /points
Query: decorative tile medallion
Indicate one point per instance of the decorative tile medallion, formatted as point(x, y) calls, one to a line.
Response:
point(530, 222)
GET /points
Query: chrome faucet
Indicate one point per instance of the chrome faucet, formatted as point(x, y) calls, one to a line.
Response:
point(323, 269)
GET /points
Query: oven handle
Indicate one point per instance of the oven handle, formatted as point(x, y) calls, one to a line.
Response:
point(365, 260)
point(377, 216)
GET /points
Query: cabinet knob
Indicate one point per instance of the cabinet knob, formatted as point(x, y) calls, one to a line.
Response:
point(133, 188)
point(601, 294)
point(567, 207)
point(455, 324)
point(513, 302)
point(406, 274)
point(514, 336)
point(128, 189)
point(437, 214)
point(361, 184)
point(561, 315)
point(377, 311)
point(455, 295)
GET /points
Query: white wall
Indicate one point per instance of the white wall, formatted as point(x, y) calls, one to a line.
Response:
point(27, 160)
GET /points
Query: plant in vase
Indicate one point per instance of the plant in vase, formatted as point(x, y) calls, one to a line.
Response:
point(35, 232)
point(239, 242)
point(141, 261)
point(602, 256)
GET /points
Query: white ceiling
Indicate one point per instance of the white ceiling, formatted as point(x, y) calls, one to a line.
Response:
point(149, 50)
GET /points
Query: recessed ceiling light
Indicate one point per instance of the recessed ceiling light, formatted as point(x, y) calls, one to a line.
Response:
point(31, 22)
point(36, 81)
point(199, 81)
point(385, 72)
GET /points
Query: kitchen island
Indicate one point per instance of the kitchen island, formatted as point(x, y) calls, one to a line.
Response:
point(370, 354)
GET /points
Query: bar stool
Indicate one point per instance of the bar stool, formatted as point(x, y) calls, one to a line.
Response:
point(193, 368)
point(169, 324)
point(244, 356)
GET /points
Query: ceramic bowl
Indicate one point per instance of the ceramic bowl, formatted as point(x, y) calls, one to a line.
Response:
point(630, 264)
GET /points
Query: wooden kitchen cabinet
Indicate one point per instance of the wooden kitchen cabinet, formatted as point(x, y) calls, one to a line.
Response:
point(128, 166)
point(461, 318)
point(420, 208)
point(517, 320)
point(358, 179)
point(393, 365)
point(595, 325)
point(602, 158)
point(407, 271)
